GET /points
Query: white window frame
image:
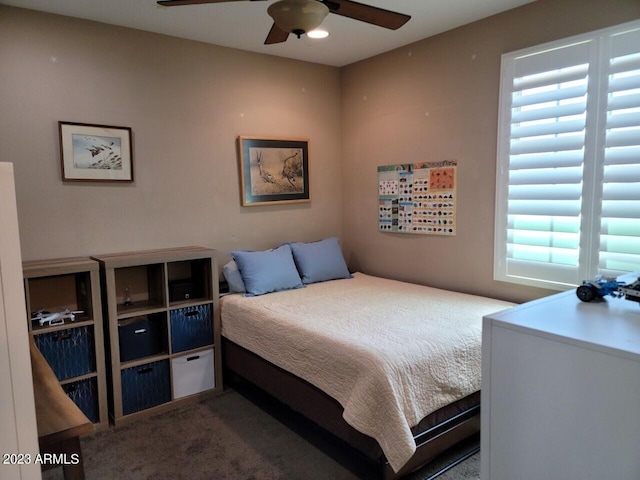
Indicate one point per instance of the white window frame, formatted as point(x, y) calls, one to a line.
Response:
point(542, 274)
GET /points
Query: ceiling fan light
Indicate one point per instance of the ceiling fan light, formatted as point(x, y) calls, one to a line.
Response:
point(317, 34)
point(298, 16)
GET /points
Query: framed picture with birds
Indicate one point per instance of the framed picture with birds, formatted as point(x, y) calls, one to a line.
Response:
point(273, 170)
point(95, 153)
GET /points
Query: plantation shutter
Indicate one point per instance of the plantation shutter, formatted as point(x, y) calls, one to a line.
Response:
point(620, 223)
point(568, 187)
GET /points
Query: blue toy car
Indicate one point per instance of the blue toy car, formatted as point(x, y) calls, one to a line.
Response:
point(624, 286)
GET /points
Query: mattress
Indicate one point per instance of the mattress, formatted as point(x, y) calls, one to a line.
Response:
point(389, 352)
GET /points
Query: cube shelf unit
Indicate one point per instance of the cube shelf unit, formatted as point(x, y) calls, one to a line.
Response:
point(74, 348)
point(161, 308)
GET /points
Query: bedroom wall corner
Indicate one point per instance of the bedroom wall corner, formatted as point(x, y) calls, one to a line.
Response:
point(186, 103)
point(434, 100)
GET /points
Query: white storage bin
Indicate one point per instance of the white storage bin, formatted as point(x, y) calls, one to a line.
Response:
point(192, 373)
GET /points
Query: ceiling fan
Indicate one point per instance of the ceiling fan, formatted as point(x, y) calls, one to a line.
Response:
point(301, 16)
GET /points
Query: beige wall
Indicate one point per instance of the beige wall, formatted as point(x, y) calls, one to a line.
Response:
point(434, 100)
point(186, 103)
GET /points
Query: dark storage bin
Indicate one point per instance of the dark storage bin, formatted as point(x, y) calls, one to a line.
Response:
point(84, 394)
point(191, 327)
point(70, 352)
point(189, 280)
point(145, 386)
point(142, 337)
point(182, 290)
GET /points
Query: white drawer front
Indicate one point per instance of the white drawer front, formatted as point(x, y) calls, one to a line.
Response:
point(192, 373)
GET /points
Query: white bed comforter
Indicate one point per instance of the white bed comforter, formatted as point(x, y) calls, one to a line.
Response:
point(390, 352)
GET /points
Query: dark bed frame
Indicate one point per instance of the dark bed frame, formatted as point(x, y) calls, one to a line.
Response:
point(436, 433)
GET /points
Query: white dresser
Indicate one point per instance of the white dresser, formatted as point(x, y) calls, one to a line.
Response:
point(561, 391)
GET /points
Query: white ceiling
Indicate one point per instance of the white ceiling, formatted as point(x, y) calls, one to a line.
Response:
point(244, 24)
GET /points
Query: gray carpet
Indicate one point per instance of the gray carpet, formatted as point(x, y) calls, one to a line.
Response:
point(229, 437)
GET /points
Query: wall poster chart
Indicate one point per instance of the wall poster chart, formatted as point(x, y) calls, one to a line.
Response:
point(418, 198)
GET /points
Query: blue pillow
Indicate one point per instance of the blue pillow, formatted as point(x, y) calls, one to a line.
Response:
point(268, 271)
point(320, 261)
point(233, 277)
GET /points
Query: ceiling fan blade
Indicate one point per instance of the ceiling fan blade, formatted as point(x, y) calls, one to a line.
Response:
point(367, 13)
point(276, 35)
point(176, 3)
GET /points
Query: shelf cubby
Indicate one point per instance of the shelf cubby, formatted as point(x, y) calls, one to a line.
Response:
point(139, 288)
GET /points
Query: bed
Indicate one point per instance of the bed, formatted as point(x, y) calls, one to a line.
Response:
point(391, 368)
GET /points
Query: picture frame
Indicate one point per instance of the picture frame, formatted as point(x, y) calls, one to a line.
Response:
point(95, 153)
point(273, 171)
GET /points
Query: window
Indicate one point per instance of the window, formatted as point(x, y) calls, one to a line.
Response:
point(568, 170)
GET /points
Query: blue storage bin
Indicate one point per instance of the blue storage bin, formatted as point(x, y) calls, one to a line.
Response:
point(69, 352)
point(191, 327)
point(84, 394)
point(145, 386)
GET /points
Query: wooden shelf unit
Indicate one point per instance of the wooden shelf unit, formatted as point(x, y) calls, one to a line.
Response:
point(162, 350)
point(74, 349)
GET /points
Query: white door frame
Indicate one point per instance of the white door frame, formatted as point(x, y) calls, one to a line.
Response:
point(19, 439)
